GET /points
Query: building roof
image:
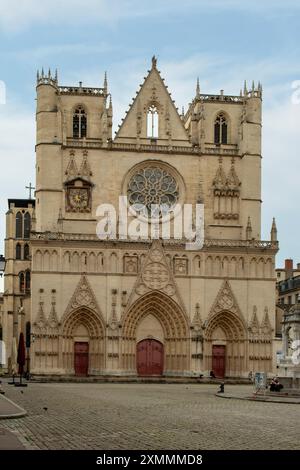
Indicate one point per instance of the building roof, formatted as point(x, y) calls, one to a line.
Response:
point(21, 202)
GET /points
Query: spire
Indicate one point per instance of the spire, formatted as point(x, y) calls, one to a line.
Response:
point(245, 88)
point(105, 86)
point(274, 231)
point(182, 113)
point(37, 76)
point(60, 221)
point(60, 216)
point(42, 72)
point(233, 181)
point(198, 89)
point(110, 107)
point(249, 230)
point(49, 73)
point(253, 86)
point(219, 181)
point(154, 62)
point(56, 76)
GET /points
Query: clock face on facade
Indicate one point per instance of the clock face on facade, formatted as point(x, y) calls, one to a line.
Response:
point(78, 199)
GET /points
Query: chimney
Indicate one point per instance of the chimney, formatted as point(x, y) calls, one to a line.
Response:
point(288, 266)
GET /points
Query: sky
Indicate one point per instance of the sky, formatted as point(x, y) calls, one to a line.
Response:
point(223, 42)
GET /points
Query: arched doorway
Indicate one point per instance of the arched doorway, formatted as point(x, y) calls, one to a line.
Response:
point(225, 345)
point(218, 360)
point(174, 333)
point(82, 341)
point(150, 357)
point(81, 358)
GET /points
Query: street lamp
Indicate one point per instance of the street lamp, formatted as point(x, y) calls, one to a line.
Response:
point(2, 265)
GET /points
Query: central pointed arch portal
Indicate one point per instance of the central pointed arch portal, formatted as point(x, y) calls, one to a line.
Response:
point(155, 326)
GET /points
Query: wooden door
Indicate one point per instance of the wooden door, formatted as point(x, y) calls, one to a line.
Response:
point(218, 360)
point(81, 358)
point(150, 357)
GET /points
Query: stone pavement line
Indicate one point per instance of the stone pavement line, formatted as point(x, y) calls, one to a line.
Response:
point(9, 409)
point(260, 398)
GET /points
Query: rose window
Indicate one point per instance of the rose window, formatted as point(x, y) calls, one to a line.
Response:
point(153, 186)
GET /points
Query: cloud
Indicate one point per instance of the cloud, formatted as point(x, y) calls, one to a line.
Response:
point(35, 54)
point(17, 15)
point(17, 157)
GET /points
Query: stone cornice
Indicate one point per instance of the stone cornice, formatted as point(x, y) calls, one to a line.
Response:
point(209, 244)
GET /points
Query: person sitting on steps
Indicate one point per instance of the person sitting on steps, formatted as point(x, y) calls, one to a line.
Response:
point(275, 385)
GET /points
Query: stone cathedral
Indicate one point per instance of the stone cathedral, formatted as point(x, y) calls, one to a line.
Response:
point(143, 307)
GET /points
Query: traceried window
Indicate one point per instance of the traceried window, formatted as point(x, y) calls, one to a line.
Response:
point(26, 251)
point(152, 122)
point(152, 185)
point(27, 225)
point(18, 251)
point(27, 280)
point(221, 128)
point(19, 225)
point(21, 282)
point(79, 123)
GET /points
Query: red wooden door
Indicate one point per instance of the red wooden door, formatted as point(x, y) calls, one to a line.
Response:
point(218, 360)
point(81, 358)
point(150, 357)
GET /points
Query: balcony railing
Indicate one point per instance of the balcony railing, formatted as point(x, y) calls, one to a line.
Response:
point(208, 243)
point(209, 149)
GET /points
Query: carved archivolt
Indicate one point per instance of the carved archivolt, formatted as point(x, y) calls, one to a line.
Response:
point(230, 323)
point(86, 317)
point(168, 312)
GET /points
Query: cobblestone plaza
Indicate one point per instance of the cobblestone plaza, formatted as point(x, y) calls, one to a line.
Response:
point(148, 416)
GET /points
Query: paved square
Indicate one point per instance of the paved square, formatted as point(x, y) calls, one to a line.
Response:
point(154, 416)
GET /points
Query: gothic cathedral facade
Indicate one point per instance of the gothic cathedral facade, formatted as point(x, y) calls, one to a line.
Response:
point(145, 306)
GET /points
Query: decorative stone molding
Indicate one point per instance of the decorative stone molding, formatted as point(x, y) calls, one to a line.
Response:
point(226, 300)
point(156, 275)
point(130, 264)
point(83, 296)
point(226, 191)
point(180, 266)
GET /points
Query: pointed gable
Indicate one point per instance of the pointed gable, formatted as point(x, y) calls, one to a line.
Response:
point(153, 95)
point(83, 296)
point(254, 324)
point(71, 170)
point(226, 300)
point(155, 275)
point(266, 327)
